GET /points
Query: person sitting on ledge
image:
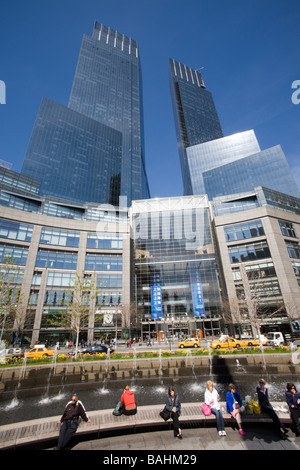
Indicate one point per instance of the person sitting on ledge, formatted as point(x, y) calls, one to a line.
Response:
point(69, 421)
point(128, 402)
point(235, 406)
point(293, 401)
point(266, 407)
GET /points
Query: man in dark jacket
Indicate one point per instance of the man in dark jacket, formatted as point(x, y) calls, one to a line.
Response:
point(263, 400)
point(69, 421)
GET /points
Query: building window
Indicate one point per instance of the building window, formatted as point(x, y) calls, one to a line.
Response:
point(244, 230)
point(53, 259)
point(287, 229)
point(33, 297)
point(58, 279)
point(20, 203)
point(240, 291)
point(57, 297)
point(58, 237)
point(109, 280)
point(296, 267)
point(63, 211)
point(256, 271)
point(236, 275)
point(251, 252)
point(265, 289)
point(36, 279)
point(108, 298)
point(293, 249)
point(17, 255)
point(15, 230)
point(106, 241)
point(103, 263)
point(13, 276)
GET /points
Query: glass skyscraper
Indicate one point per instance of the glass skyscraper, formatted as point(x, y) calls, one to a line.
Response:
point(195, 114)
point(93, 150)
point(210, 163)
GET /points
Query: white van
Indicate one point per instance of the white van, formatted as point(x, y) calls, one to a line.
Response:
point(275, 338)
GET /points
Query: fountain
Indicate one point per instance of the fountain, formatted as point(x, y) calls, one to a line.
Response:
point(240, 368)
point(150, 385)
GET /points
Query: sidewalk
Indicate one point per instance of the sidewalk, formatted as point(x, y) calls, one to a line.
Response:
point(257, 437)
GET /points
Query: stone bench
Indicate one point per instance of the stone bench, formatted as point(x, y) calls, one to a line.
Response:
point(103, 421)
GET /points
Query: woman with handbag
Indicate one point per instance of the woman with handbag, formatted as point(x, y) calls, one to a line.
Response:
point(211, 399)
point(173, 406)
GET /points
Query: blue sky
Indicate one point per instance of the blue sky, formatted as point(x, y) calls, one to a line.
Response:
point(249, 48)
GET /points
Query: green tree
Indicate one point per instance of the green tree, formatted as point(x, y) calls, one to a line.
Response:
point(12, 302)
point(80, 304)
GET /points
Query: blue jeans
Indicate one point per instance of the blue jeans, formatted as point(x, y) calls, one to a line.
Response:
point(220, 421)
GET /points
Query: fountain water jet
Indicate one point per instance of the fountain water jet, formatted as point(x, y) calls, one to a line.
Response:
point(51, 373)
point(15, 401)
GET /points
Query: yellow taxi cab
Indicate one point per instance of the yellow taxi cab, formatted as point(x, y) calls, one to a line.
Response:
point(39, 350)
point(255, 342)
point(227, 342)
point(189, 343)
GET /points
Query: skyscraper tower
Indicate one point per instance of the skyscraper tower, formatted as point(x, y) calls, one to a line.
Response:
point(93, 150)
point(211, 163)
point(195, 114)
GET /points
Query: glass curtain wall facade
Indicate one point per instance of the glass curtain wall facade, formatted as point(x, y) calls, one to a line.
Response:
point(203, 158)
point(93, 150)
point(177, 287)
point(107, 87)
point(268, 167)
point(74, 156)
point(210, 163)
point(195, 115)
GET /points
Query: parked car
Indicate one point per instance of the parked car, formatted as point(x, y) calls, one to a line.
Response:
point(189, 343)
point(9, 354)
point(227, 342)
point(39, 351)
point(97, 349)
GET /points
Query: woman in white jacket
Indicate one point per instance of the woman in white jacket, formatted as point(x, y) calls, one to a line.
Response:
point(211, 397)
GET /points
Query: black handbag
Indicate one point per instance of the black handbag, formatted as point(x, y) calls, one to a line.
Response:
point(165, 414)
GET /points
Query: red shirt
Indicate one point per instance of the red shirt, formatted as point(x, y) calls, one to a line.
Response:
point(128, 398)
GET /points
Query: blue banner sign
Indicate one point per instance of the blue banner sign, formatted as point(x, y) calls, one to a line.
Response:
point(156, 296)
point(197, 294)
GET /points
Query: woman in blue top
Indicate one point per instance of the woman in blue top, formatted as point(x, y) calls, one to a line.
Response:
point(235, 406)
